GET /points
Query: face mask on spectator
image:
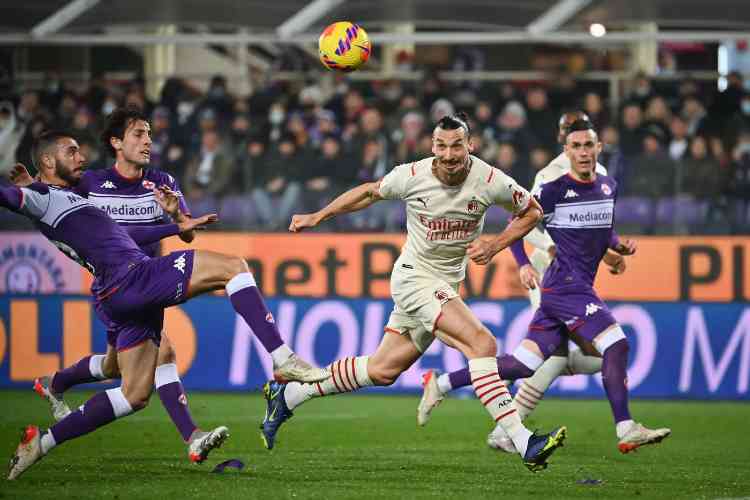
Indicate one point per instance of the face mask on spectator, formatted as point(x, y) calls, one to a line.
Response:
point(108, 107)
point(276, 116)
point(746, 107)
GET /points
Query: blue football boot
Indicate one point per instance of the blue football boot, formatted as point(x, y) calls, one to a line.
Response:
point(541, 447)
point(277, 412)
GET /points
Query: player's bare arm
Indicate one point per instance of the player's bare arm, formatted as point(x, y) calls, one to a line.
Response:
point(169, 201)
point(355, 199)
point(481, 251)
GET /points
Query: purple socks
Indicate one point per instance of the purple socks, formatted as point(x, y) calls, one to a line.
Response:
point(510, 369)
point(614, 377)
point(101, 409)
point(172, 396)
point(249, 303)
point(78, 373)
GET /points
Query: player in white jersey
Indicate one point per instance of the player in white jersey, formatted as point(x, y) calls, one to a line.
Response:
point(566, 361)
point(446, 198)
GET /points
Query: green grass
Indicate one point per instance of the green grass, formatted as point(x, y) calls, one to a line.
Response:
point(370, 447)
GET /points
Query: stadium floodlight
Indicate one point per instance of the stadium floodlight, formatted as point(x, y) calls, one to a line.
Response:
point(61, 18)
point(597, 30)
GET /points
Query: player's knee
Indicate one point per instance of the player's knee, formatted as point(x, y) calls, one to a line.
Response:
point(138, 399)
point(166, 353)
point(484, 344)
point(611, 337)
point(110, 368)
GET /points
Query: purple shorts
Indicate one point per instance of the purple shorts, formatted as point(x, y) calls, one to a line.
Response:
point(133, 311)
point(578, 312)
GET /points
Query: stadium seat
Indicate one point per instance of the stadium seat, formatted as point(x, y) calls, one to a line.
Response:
point(680, 210)
point(238, 212)
point(635, 210)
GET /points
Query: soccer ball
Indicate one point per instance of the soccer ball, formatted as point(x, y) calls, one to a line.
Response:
point(344, 46)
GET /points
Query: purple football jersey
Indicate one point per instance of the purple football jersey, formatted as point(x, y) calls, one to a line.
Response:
point(130, 201)
point(580, 218)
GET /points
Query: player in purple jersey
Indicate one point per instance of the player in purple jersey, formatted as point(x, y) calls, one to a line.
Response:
point(126, 193)
point(130, 289)
point(579, 216)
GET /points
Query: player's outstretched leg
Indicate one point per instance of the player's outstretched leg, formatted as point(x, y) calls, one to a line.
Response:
point(137, 365)
point(613, 345)
point(213, 271)
point(532, 389)
point(467, 334)
point(52, 388)
point(395, 354)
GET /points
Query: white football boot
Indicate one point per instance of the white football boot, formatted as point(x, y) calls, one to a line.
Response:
point(202, 443)
point(638, 436)
point(498, 439)
point(59, 408)
point(295, 369)
point(432, 396)
point(28, 452)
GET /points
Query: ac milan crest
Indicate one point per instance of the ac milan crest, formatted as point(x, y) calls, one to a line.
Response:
point(441, 295)
point(473, 206)
point(518, 197)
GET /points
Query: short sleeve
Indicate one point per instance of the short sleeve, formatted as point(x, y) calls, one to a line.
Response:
point(393, 185)
point(545, 195)
point(507, 193)
point(175, 186)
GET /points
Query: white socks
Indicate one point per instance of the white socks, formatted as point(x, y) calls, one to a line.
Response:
point(166, 374)
point(444, 383)
point(580, 363)
point(47, 442)
point(532, 389)
point(622, 428)
point(494, 395)
point(280, 355)
point(347, 375)
point(96, 368)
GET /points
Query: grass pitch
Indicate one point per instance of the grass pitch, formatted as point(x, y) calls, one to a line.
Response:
point(370, 447)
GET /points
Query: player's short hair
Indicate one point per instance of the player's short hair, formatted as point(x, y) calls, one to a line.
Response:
point(117, 123)
point(579, 126)
point(43, 143)
point(454, 122)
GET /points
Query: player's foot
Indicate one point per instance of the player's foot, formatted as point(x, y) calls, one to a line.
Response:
point(498, 439)
point(432, 396)
point(541, 447)
point(202, 443)
point(277, 412)
point(43, 387)
point(28, 452)
point(299, 370)
point(638, 435)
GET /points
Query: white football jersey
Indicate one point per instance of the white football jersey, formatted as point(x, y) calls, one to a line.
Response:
point(555, 169)
point(442, 220)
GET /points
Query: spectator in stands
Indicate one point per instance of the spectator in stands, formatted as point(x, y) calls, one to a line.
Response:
point(484, 120)
point(371, 129)
point(694, 114)
point(739, 122)
point(210, 171)
point(727, 102)
point(641, 89)
point(594, 108)
point(325, 125)
point(538, 159)
point(406, 138)
point(66, 110)
point(11, 133)
point(327, 175)
point(631, 130)
point(83, 126)
point(512, 128)
point(509, 161)
point(678, 144)
point(653, 173)
point(540, 118)
point(658, 113)
point(279, 185)
point(611, 156)
point(251, 163)
point(738, 187)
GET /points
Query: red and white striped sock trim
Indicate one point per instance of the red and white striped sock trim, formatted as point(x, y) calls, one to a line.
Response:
point(533, 391)
point(489, 387)
point(343, 375)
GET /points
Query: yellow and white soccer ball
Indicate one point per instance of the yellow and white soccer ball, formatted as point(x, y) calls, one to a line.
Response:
point(344, 46)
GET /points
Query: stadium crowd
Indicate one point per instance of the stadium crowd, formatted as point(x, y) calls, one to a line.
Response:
point(680, 150)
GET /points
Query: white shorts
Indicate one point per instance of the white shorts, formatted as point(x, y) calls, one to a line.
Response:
point(418, 299)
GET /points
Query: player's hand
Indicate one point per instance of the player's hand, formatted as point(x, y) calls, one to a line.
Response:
point(616, 263)
point(302, 221)
point(168, 200)
point(481, 251)
point(20, 176)
point(529, 276)
point(197, 223)
point(626, 247)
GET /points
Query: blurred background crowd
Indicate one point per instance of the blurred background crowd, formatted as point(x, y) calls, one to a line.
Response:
point(680, 150)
